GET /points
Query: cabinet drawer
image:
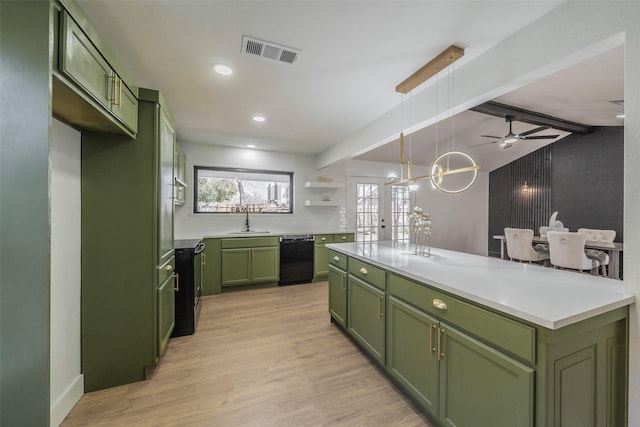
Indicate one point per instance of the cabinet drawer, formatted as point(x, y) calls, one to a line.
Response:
point(338, 260)
point(513, 337)
point(323, 238)
point(249, 242)
point(367, 272)
point(341, 238)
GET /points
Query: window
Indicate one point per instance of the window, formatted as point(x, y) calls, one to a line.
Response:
point(228, 190)
point(400, 213)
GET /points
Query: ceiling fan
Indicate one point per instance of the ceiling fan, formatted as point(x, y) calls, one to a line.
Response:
point(511, 138)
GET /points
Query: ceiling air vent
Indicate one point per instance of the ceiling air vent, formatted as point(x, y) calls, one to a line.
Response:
point(267, 50)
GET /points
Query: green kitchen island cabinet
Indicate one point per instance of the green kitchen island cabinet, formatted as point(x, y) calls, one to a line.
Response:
point(338, 288)
point(483, 342)
point(127, 248)
point(321, 254)
point(366, 307)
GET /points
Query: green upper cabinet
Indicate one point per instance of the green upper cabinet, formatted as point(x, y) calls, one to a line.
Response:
point(180, 177)
point(82, 63)
point(87, 90)
point(125, 106)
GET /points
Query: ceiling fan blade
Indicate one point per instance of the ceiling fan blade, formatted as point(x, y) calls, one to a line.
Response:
point(540, 137)
point(538, 129)
point(484, 143)
point(491, 136)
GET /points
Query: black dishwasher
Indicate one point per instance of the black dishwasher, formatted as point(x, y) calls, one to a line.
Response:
point(189, 273)
point(296, 259)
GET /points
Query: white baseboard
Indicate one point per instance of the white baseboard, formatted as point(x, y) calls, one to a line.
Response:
point(65, 403)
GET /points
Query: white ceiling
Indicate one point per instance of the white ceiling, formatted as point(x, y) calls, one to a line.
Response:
point(581, 94)
point(354, 53)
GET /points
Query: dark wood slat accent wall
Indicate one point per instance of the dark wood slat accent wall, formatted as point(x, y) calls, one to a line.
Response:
point(580, 176)
point(532, 208)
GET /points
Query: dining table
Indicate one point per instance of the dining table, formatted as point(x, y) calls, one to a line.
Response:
point(613, 249)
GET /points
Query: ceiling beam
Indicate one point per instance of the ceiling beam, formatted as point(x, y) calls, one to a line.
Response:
point(430, 69)
point(493, 108)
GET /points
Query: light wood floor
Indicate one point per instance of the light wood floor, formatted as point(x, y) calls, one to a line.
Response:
point(267, 357)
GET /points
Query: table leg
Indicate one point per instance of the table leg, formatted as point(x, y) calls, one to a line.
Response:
point(503, 243)
point(614, 264)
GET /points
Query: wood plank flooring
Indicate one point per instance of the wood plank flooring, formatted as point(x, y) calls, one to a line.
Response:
point(265, 357)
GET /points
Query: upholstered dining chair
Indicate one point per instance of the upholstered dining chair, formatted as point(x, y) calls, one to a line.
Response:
point(519, 245)
point(543, 235)
point(596, 235)
point(543, 231)
point(566, 250)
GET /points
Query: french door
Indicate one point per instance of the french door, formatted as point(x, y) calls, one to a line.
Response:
point(377, 211)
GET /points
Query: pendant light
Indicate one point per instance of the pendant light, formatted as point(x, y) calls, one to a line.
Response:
point(438, 171)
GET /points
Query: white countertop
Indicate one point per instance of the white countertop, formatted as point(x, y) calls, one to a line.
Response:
point(541, 295)
point(259, 233)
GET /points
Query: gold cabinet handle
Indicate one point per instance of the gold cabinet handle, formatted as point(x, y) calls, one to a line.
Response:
point(168, 267)
point(204, 258)
point(439, 304)
point(323, 238)
point(432, 349)
point(364, 271)
point(380, 313)
point(440, 350)
point(336, 259)
point(177, 288)
point(344, 237)
point(119, 103)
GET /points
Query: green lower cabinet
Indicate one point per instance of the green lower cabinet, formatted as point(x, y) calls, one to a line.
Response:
point(211, 267)
point(236, 267)
point(480, 386)
point(338, 295)
point(411, 353)
point(366, 321)
point(245, 266)
point(265, 264)
point(589, 384)
point(454, 377)
point(320, 261)
point(166, 312)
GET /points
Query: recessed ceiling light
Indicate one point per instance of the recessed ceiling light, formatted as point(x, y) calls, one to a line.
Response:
point(222, 69)
point(251, 146)
point(259, 119)
point(620, 116)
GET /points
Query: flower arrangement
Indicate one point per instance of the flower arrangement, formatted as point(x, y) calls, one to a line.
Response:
point(422, 230)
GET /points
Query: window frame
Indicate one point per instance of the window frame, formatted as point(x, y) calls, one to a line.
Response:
point(197, 168)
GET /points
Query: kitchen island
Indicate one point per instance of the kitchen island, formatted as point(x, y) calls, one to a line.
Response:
point(479, 341)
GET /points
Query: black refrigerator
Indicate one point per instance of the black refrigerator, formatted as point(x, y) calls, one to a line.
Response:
point(189, 272)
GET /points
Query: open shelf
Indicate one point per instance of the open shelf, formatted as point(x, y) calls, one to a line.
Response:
point(322, 203)
point(323, 185)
